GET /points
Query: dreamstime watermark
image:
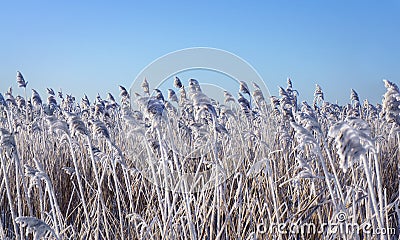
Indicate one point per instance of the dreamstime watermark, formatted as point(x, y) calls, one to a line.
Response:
point(340, 226)
point(159, 73)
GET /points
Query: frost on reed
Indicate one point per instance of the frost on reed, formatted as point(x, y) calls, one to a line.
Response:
point(38, 227)
point(181, 165)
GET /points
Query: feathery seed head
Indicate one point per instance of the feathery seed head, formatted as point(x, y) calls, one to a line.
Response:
point(154, 106)
point(36, 100)
point(289, 83)
point(57, 126)
point(2, 100)
point(200, 98)
point(354, 96)
point(391, 103)
point(60, 94)
point(244, 88)
point(182, 92)
point(243, 102)
point(10, 98)
point(50, 91)
point(51, 100)
point(258, 95)
point(76, 124)
point(352, 140)
point(172, 96)
point(228, 97)
point(20, 80)
point(303, 135)
point(177, 82)
point(20, 102)
point(159, 95)
point(391, 85)
point(145, 86)
point(193, 82)
point(255, 85)
point(318, 92)
point(110, 97)
point(194, 85)
point(85, 104)
point(99, 128)
point(123, 92)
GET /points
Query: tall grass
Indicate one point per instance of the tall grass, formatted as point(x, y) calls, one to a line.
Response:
point(189, 167)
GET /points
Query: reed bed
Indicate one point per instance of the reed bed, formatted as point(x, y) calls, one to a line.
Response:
point(185, 166)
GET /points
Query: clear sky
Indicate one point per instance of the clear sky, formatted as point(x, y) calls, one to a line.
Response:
point(93, 46)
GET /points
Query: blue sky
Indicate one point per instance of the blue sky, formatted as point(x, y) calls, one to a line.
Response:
point(93, 46)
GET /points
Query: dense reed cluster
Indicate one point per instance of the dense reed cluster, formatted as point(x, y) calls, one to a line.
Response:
point(185, 166)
